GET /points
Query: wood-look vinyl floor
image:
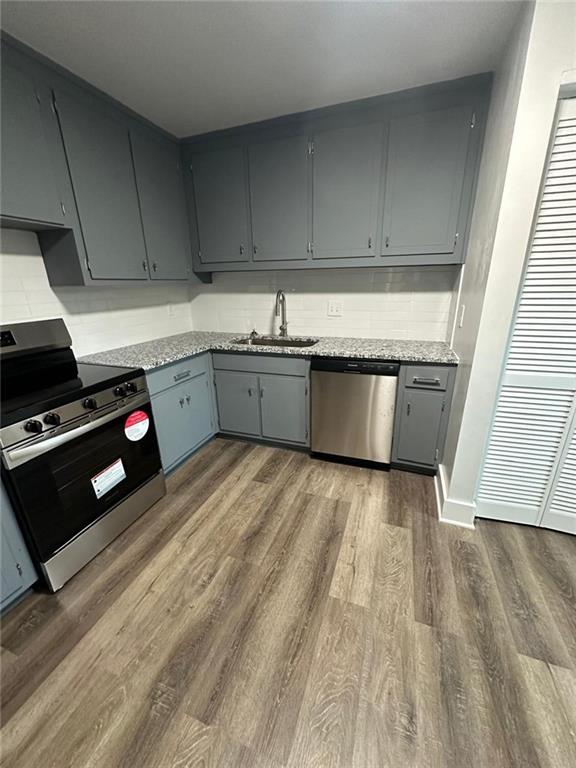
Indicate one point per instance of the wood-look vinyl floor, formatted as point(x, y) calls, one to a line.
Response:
point(276, 610)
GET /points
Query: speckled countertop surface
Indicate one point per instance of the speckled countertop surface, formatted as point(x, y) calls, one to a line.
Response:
point(170, 349)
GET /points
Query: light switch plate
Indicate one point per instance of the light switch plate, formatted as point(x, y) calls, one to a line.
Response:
point(334, 308)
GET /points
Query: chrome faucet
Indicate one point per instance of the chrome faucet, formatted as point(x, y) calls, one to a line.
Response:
point(281, 309)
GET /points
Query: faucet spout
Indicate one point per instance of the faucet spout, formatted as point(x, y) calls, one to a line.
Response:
point(280, 311)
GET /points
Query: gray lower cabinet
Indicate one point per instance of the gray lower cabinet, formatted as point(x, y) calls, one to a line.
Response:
point(279, 196)
point(161, 195)
point(427, 155)
point(284, 408)
point(422, 409)
point(183, 406)
point(261, 396)
point(17, 571)
point(220, 192)
point(100, 161)
point(346, 182)
point(29, 190)
point(237, 394)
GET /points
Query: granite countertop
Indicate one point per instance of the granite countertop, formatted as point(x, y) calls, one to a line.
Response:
point(170, 349)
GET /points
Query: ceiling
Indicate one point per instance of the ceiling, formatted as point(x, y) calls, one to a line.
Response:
point(192, 67)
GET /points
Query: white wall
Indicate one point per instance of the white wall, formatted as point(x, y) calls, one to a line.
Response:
point(497, 143)
point(97, 318)
point(551, 51)
point(396, 303)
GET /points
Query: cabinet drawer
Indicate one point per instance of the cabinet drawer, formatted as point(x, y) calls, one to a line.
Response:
point(426, 377)
point(260, 363)
point(176, 373)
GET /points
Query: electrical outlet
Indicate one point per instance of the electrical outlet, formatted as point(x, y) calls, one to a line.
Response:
point(461, 319)
point(334, 308)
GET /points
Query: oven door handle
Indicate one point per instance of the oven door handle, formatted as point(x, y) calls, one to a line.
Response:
point(13, 457)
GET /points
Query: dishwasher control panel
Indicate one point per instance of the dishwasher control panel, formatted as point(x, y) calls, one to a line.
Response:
point(344, 365)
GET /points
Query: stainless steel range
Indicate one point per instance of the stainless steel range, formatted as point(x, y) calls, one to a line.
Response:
point(80, 457)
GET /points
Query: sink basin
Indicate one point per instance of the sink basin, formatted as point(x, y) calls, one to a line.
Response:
point(276, 341)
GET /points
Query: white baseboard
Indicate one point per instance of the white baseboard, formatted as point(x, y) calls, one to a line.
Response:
point(450, 511)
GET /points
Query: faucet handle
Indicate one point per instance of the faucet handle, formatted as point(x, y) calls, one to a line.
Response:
point(253, 333)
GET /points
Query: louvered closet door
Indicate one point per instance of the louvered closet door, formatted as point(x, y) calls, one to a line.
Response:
point(527, 469)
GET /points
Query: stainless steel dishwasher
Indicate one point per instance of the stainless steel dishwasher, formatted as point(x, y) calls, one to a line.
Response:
point(353, 403)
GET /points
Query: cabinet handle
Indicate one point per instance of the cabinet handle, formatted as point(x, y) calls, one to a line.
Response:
point(188, 399)
point(154, 266)
point(369, 243)
point(241, 250)
point(180, 376)
point(255, 249)
point(408, 409)
point(181, 402)
point(387, 241)
point(250, 391)
point(261, 391)
point(144, 266)
point(423, 380)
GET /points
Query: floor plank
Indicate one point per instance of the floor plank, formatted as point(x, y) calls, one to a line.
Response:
point(535, 633)
point(276, 611)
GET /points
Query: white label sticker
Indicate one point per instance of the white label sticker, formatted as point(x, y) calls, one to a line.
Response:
point(136, 425)
point(106, 480)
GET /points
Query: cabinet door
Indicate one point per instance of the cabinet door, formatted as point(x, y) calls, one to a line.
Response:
point(28, 182)
point(279, 197)
point(16, 570)
point(199, 403)
point(347, 166)
point(419, 427)
point(221, 205)
point(161, 195)
point(173, 419)
point(424, 178)
point(100, 161)
point(284, 404)
point(237, 396)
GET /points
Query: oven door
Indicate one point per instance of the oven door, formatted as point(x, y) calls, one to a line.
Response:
point(66, 482)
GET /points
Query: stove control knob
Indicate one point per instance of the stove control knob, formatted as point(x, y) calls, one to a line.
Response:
point(131, 386)
point(120, 391)
point(52, 419)
point(90, 404)
point(33, 426)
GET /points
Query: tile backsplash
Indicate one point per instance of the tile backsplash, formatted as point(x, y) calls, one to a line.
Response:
point(97, 318)
point(394, 302)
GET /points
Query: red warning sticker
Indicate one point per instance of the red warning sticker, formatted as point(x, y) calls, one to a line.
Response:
point(136, 425)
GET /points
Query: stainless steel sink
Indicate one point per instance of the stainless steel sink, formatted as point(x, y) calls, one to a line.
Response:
point(276, 341)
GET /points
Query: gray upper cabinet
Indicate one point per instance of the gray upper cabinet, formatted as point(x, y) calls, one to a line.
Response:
point(346, 181)
point(279, 198)
point(29, 190)
point(424, 176)
point(220, 192)
point(284, 406)
point(100, 161)
point(161, 194)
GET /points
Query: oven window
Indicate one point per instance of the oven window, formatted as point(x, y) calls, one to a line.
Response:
point(63, 491)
